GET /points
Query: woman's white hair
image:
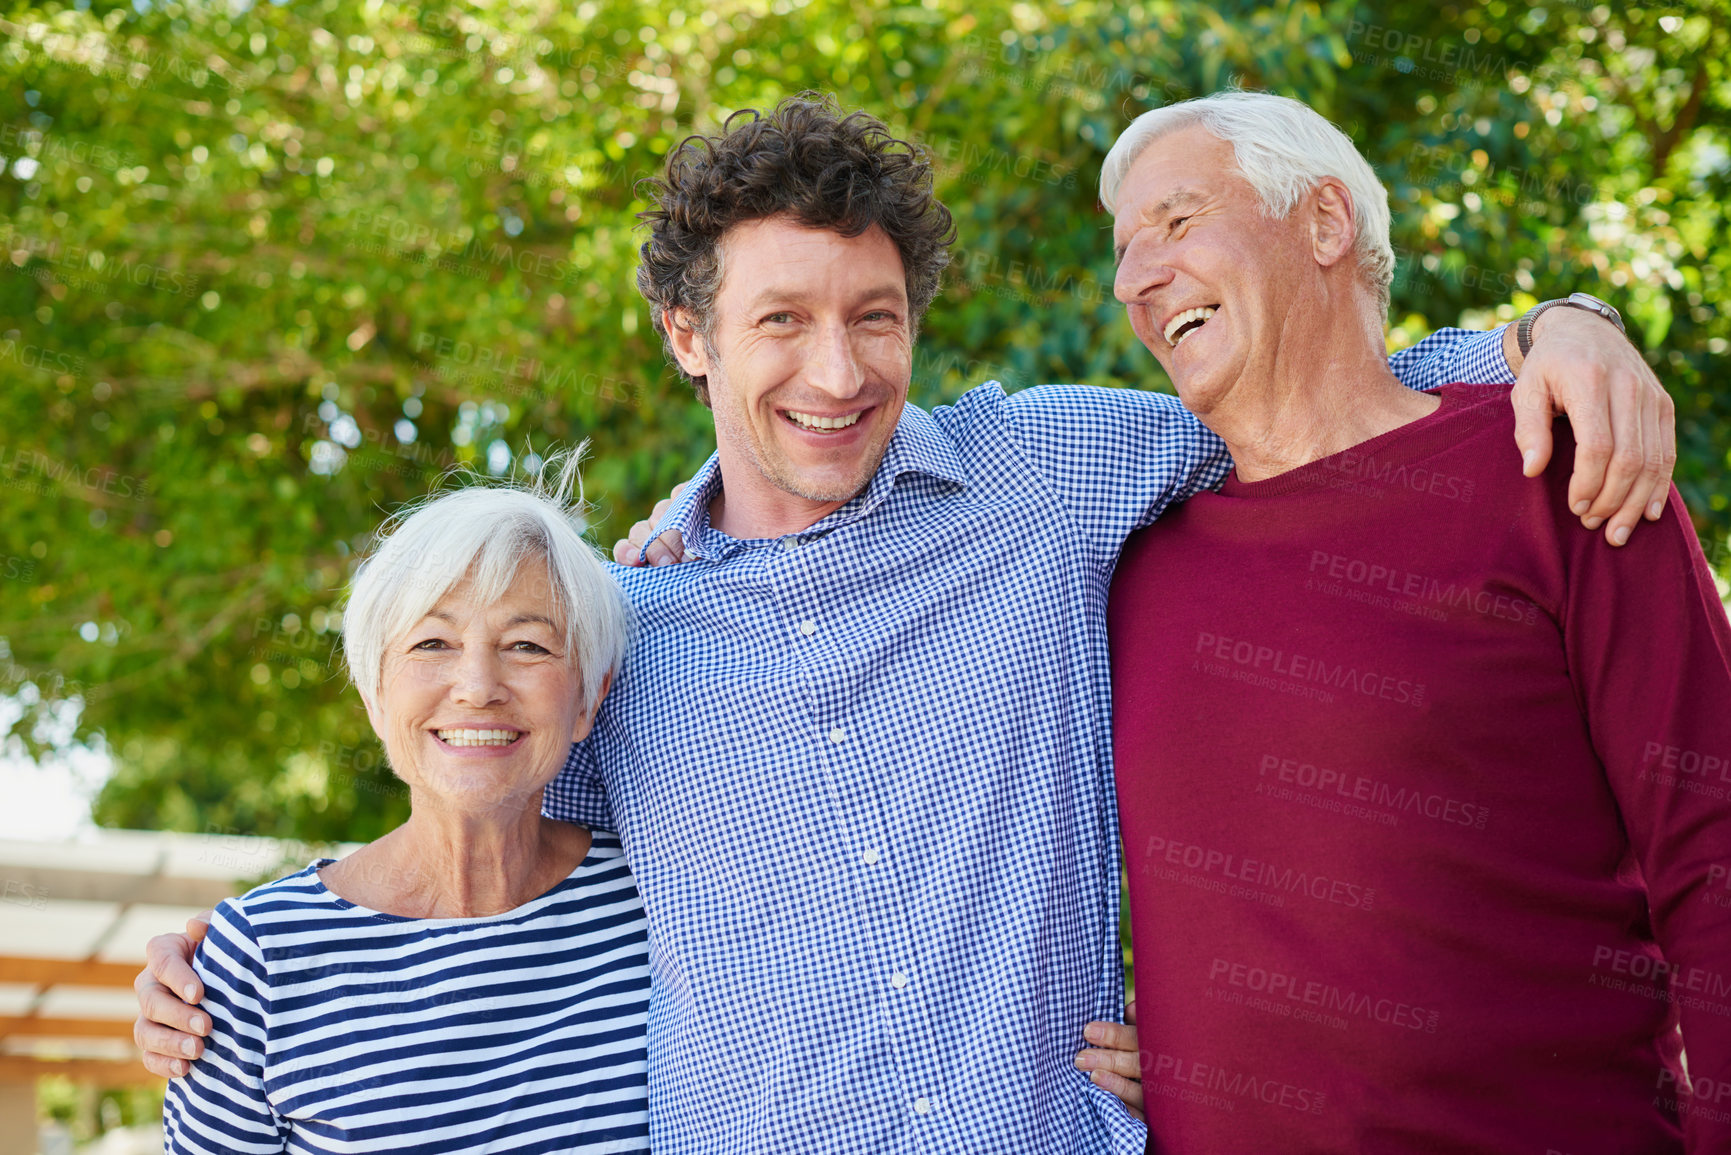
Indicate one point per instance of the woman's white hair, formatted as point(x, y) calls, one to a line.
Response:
point(1283, 148)
point(486, 531)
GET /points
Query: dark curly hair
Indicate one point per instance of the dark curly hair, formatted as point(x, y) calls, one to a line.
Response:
point(804, 159)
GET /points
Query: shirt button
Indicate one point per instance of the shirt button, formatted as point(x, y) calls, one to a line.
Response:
point(836, 735)
point(923, 1106)
point(870, 856)
point(808, 627)
point(790, 543)
point(898, 980)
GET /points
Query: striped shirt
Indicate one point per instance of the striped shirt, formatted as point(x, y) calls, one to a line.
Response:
point(863, 773)
point(340, 1029)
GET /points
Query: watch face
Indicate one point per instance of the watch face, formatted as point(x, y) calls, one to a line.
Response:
point(1603, 308)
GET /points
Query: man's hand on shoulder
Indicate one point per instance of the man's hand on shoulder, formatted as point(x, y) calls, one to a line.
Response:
point(668, 549)
point(168, 1028)
point(1625, 424)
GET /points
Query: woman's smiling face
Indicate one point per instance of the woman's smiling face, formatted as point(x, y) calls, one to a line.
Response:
point(478, 705)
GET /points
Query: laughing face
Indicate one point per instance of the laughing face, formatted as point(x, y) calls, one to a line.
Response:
point(1208, 280)
point(478, 705)
point(807, 368)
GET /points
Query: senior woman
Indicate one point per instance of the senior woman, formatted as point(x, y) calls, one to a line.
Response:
point(477, 979)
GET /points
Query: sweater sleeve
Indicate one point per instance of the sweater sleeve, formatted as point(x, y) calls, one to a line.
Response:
point(1649, 650)
point(220, 1106)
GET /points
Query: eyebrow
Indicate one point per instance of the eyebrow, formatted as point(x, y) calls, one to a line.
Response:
point(773, 295)
point(516, 619)
point(1188, 195)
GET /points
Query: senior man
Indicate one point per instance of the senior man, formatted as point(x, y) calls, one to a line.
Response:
point(1409, 868)
point(864, 783)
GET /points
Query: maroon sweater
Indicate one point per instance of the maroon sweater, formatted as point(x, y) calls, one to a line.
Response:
point(1426, 799)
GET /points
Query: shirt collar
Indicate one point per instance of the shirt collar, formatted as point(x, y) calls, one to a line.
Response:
point(917, 446)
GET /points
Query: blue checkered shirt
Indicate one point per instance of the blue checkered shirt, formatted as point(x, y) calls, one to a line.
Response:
point(863, 777)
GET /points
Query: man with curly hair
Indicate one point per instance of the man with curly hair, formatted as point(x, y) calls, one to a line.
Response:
point(860, 754)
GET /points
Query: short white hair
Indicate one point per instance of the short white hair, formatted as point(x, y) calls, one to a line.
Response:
point(1283, 147)
point(486, 531)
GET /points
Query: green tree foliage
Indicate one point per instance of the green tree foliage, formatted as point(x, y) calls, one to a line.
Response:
point(267, 272)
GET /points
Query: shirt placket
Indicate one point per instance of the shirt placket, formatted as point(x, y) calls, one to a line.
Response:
point(863, 844)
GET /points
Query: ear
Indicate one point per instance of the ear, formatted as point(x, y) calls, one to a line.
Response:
point(375, 716)
point(688, 347)
point(1332, 227)
point(586, 722)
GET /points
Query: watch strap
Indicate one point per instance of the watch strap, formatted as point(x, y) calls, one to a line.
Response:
point(1524, 327)
point(1591, 304)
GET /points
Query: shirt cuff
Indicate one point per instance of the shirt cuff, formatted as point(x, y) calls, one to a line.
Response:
point(1482, 361)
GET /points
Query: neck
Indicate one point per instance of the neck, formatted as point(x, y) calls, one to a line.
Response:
point(446, 862)
point(746, 510)
point(1323, 394)
point(749, 505)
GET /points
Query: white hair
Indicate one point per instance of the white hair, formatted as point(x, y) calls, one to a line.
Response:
point(1283, 147)
point(485, 532)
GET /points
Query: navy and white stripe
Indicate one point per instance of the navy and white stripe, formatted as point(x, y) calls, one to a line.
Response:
point(863, 773)
point(340, 1029)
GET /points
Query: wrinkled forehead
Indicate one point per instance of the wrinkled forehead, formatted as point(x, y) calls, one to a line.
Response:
point(1181, 169)
point(502, 593)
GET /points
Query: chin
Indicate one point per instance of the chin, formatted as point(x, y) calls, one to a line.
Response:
point(1199, 394)
point(829, 480)
point(824, 486)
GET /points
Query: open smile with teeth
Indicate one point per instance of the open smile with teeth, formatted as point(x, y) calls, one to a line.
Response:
point(814, 422)
point(1187, 323)
point(478, 737)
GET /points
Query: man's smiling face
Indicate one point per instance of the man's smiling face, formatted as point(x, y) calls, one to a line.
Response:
point(1207, 279)
point(809, 361)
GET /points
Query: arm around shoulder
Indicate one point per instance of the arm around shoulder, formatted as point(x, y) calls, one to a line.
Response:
point(1116, 459)
point(221, 1105)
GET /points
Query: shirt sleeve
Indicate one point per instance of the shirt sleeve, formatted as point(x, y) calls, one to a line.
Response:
point(220, 1106)
point(1119, 458)
point(1649, 647)
point(1450, 355)
point(1115, 458)
point(577, 794)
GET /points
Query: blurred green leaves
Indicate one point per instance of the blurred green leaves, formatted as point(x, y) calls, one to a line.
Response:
point(266, 272)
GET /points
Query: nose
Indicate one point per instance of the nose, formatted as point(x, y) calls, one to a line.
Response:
point(478, 679)
point(834, 366)
point(1141, 272)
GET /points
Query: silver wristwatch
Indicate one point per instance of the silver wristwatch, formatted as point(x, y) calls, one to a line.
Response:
point(1592, 304)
